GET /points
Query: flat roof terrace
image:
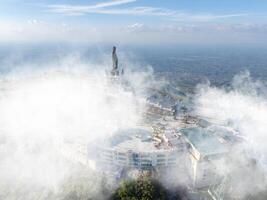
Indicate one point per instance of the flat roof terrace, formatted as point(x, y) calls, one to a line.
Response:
point(135, 139)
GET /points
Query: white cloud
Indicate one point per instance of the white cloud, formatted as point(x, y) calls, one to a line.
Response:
point(135, 26)
point(103, 8)
point(36, 31)
point(45, 103)
point(79, 9)
point(212, 17)
point(244, 108)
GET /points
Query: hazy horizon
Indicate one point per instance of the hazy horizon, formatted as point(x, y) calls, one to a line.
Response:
point(134, 21)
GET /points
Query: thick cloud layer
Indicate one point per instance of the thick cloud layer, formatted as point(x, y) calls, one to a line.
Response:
point(41, 108)
point(243, 106)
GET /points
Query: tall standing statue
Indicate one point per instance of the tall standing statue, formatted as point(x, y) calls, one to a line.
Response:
point(115, 71)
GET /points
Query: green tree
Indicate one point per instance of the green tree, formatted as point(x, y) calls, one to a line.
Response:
point(143, 188)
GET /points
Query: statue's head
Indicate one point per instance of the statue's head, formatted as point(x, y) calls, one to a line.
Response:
point(114, 49)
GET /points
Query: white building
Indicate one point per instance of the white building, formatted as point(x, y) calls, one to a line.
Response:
point(206, 153)
point(136, 148)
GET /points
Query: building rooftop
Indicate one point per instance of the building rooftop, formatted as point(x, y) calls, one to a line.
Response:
point(165, 97)
point(135, 139)
point(206, 143)
point(226, 133)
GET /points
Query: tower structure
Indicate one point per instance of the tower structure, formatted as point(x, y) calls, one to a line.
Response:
point(114, 71)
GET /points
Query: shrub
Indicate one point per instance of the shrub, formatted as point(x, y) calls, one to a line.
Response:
point(143, 188)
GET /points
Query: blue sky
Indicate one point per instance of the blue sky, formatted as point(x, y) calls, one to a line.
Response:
point(179, 20)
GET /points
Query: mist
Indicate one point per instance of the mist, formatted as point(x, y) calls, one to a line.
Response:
point(46, 101)
point(68, 99)
point(243, 107)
